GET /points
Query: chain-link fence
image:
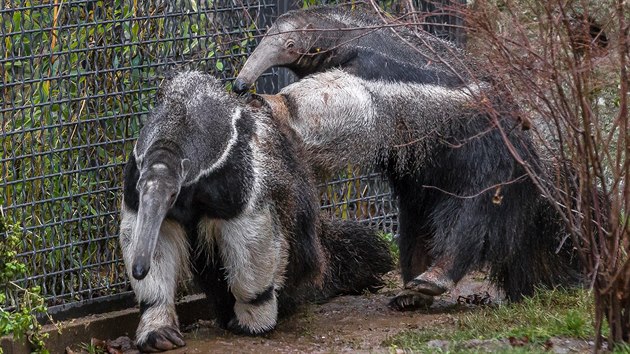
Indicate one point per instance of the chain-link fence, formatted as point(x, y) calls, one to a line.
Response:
point(76, 77)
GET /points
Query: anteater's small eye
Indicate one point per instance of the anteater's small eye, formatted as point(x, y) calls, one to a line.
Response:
point(290, 44)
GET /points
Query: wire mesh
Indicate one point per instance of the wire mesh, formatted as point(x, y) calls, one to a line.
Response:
point(76, 77)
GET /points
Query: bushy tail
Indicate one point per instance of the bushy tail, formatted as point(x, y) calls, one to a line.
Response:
point(552, 258)
point(548, 259)
point(357, 257)
point(356, 260)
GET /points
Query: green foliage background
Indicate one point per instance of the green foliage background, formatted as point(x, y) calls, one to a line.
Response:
point(21, 323)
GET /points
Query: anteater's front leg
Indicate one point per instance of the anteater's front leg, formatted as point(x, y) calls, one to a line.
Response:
point(255, 254)
point(159, 328)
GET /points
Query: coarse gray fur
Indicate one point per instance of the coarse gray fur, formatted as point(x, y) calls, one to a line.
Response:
point(344, 119)
point(219, 189)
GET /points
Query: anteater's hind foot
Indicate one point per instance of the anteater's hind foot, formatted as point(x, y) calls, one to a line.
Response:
point(408, 300)
point(433, 282)
point(256, 317)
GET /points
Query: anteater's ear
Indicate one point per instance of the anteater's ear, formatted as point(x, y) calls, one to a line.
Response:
point(161, 87)
point(185, 168)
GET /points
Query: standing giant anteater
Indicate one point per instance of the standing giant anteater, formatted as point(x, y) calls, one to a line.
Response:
point(320, 38)
point(220, 190)
point(462, 195)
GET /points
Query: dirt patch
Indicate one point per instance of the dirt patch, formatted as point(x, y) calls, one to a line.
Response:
point(346, 323)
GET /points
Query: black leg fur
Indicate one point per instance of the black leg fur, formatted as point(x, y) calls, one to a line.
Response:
point(211, 278)
point(414, 238)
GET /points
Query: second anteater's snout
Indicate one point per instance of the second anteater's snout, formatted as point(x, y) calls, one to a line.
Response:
point(239, 86)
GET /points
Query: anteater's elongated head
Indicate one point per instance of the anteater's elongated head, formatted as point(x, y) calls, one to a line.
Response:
point(162, 173)
point(305, 41)
point(186, 137)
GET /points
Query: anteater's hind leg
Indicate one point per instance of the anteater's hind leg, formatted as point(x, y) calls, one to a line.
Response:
point(255, 256)
point(482, 232)
point(460, 242)
point(441, 277)
point(415, 256)
point(159, 328)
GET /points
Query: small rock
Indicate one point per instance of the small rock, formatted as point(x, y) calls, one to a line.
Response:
point(518, 342)
point(438, 344)
point(570, 345)
point(487, 345)
point(121, 345)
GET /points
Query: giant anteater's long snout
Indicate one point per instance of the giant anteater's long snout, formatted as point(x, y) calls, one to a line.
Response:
point(151, 213)
point(239, 86)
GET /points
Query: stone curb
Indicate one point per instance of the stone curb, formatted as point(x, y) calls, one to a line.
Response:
point(109, 325)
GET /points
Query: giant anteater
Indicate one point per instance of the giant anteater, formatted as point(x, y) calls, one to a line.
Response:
point(220, 190)
point(463, 197)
